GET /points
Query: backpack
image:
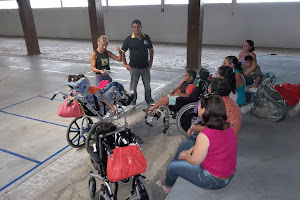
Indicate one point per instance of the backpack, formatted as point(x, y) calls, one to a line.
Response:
point(268, 103)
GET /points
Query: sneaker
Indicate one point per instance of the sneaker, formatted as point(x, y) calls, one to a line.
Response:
point(130, 97)
point(149, 120)
point(151, 103)
point(163, 187)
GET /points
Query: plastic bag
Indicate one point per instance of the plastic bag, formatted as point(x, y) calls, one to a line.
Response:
point(73, 110)
point(268, 103)
point(126, 162)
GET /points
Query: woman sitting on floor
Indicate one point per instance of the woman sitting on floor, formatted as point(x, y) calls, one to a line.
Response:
point(248, 49)
point(211, 162)
point(233, 62)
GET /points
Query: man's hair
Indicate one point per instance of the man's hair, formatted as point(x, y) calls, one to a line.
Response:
point(192, 73)
point(248, 58)
point(214, 116)
point(136, 21)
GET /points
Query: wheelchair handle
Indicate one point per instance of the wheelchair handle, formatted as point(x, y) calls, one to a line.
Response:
point(69, 103)
point(54, 95)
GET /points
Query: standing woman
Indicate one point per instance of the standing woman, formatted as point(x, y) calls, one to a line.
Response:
point(248, 49)
point(100, 60)
point(233, 62)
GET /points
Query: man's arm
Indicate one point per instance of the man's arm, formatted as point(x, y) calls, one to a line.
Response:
point(151, 57)
point(124, 61)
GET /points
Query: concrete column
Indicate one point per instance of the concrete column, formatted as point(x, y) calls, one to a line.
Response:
point(96, 20)
point(28, 26)
point(194, 33)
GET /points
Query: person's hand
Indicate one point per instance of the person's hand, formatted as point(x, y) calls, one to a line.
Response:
point(183, 155)
point(114, 111)
point(117, 48)
point(150, 64)
point(127, 67)
point(102, 71)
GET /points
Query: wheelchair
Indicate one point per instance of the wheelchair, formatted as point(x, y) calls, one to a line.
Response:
point(183, 110)
point(94, 108)
point(100, 142)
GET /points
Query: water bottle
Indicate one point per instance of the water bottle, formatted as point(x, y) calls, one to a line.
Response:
point(294, 111)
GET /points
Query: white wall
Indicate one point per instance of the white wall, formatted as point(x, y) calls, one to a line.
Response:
point(268, 24)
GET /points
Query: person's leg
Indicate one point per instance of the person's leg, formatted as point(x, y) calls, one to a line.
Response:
point(135, 75)
point(164, 101)
point(195, 174)
point(119, 86)
point(183, 147)
point(145, 72)
point(97, 79)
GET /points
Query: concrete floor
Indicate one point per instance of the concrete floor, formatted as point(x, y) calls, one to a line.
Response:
point(37, 163)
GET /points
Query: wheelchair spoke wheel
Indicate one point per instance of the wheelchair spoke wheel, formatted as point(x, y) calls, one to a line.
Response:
point(185, 117)
point(76, 131)
point(142, 189)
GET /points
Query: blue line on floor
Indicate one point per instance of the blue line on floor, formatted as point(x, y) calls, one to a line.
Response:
point(18, 155)
point(33, 119)
point(40, 163)
point(50, 98)
point(31, 98)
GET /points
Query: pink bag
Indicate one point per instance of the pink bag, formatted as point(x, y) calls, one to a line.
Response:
point(103, 83)
point(74, 110)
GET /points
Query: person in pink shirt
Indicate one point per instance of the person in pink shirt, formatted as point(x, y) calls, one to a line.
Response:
point(211, 162)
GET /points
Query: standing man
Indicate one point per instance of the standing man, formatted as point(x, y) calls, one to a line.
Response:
point(139, 65)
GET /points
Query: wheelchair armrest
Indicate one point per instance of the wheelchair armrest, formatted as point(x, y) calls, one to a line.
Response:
point(94, 155)
point(182, 101)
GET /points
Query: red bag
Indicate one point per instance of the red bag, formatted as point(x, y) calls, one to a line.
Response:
point(74, 110)
point(127, 161)
point(291, 93)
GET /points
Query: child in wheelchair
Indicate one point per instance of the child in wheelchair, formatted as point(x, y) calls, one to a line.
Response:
point(111, 94)
point(184, 89)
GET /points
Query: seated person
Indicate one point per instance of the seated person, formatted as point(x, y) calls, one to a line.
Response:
point(226, 73)
point(233, 112)
point(82, 85)
point(253, 78)
point(184, 89)
point(211, 162)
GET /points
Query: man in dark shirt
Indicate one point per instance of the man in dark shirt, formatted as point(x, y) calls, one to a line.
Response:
point(139, 65)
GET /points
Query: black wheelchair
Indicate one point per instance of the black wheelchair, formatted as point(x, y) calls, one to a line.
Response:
point(100, 142)
point(183, 110)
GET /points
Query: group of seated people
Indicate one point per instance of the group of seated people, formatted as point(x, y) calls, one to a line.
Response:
point(208, 157)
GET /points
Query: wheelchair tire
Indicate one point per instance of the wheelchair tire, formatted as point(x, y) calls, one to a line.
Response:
point(185, 117)
point(92, 187)
point(144, 192)
point(74, 137)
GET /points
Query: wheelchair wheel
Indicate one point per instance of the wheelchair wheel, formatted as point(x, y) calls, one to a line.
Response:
point(185, 117)
point(74, 137)
point(92, 187)
point(103, 195)
point(142, 189)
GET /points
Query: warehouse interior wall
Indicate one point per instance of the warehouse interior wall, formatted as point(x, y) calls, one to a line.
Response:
point(268, 24)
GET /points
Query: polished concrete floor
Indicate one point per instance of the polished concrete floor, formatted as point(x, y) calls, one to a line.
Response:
point(37, 163)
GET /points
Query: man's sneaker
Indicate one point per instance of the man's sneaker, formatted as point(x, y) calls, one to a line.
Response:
point(130, 97)
point(163, 187)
